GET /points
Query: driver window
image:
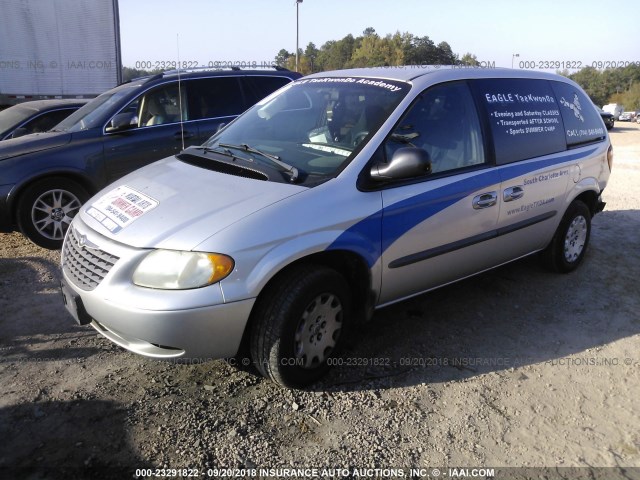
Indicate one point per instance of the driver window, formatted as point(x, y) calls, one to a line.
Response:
point(161, 106)
point(444, 122)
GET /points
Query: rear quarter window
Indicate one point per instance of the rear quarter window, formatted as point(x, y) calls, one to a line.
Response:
point(215, 97)
point(524, 117)
point(582, 123)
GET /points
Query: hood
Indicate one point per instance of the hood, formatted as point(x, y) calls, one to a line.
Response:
point(174, 205)
point(35, 142)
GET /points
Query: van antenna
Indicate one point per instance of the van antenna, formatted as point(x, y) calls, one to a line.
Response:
point(180, 93)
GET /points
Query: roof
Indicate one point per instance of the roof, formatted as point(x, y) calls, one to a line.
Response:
point(436, 73)
point(41, 105)
point(205, 72)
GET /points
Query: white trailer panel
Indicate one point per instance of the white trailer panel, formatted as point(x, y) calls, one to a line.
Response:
point(59, 48)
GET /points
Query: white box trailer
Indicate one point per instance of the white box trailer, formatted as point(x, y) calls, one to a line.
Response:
point(58, 49)
point(614, 109)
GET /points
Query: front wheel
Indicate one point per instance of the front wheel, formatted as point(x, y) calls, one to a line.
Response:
point(299, 324)
point(46, 208)
point(569, 244)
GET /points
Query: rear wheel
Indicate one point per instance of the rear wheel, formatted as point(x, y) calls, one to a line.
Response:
point(566, 250)
point(46, 208)
point(299, 324)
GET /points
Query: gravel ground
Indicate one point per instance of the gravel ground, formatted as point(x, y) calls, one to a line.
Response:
point(513, 368)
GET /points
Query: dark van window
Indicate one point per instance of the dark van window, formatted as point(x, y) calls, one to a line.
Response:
point(259, 87)
point(215, 97)
point(46, 121)
point(445, 123)
point(524, 117)
point(582, 123)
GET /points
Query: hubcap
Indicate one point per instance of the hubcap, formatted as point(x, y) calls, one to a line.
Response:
point(53, 211)
point(318, 330)
point(575, 239)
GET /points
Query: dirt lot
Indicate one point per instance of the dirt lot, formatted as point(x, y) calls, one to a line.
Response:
point(517, 367)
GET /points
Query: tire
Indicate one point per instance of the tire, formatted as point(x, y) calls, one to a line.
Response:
point(45, 210)
point(569, 244)
point(305, 299)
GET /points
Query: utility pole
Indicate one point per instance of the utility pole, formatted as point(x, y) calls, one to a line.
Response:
point(298, 2)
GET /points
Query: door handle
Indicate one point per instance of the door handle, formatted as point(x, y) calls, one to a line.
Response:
point(485, 200)
point(513, 193)
point(179, 135)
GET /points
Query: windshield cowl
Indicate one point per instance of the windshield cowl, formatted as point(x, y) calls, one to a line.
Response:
point(218, 160)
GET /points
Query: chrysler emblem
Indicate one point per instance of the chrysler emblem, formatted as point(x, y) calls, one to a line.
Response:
point(84, 242)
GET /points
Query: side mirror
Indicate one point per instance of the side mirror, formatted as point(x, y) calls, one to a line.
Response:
point(122, 121)
point(407, 162)
point(19, 132)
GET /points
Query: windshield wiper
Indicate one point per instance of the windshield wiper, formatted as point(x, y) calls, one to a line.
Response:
point(222, 151)
point(293, 171)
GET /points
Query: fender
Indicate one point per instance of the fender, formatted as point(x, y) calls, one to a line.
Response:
point(584, 185)
point(284, 254)
point(69, 172)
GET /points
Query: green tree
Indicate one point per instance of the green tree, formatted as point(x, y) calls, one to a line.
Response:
point(608, 86)
point(591, 80)
point(375, 51)
point(335, 55)
point(445, 55)
point(470, 60)
point(282, 58)
point(420, 50)
point(629, 98)
point(369, 32)
point(370, 49)
point(311, 55)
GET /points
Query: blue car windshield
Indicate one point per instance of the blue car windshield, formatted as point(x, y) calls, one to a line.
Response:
point(316, 124)
point(12, 117)
point(96, 113)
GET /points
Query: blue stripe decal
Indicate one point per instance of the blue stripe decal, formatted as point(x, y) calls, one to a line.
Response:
point(365, 235)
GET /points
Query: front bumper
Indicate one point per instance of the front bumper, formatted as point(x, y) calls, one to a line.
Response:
point(6, 218)
point(192, 324)
point(198, 335)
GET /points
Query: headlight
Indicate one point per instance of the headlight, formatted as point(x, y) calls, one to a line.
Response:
point(174, 270)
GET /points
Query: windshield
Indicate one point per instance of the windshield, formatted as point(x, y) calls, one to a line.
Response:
point(95, 113)
point(312, 125)
point(12, 117)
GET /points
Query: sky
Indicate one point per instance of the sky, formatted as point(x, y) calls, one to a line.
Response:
point(203, 32)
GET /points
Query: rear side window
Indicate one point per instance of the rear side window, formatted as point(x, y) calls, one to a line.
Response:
point(259, 87)
point(582, 123)
point(524, 117)
point(215, 97)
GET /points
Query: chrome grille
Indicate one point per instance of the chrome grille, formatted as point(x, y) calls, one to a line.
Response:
point(85, 266)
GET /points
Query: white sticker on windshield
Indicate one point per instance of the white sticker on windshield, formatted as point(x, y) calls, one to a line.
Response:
point(121, 207)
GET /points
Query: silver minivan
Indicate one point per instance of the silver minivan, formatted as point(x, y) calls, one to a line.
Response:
point(339, 194)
